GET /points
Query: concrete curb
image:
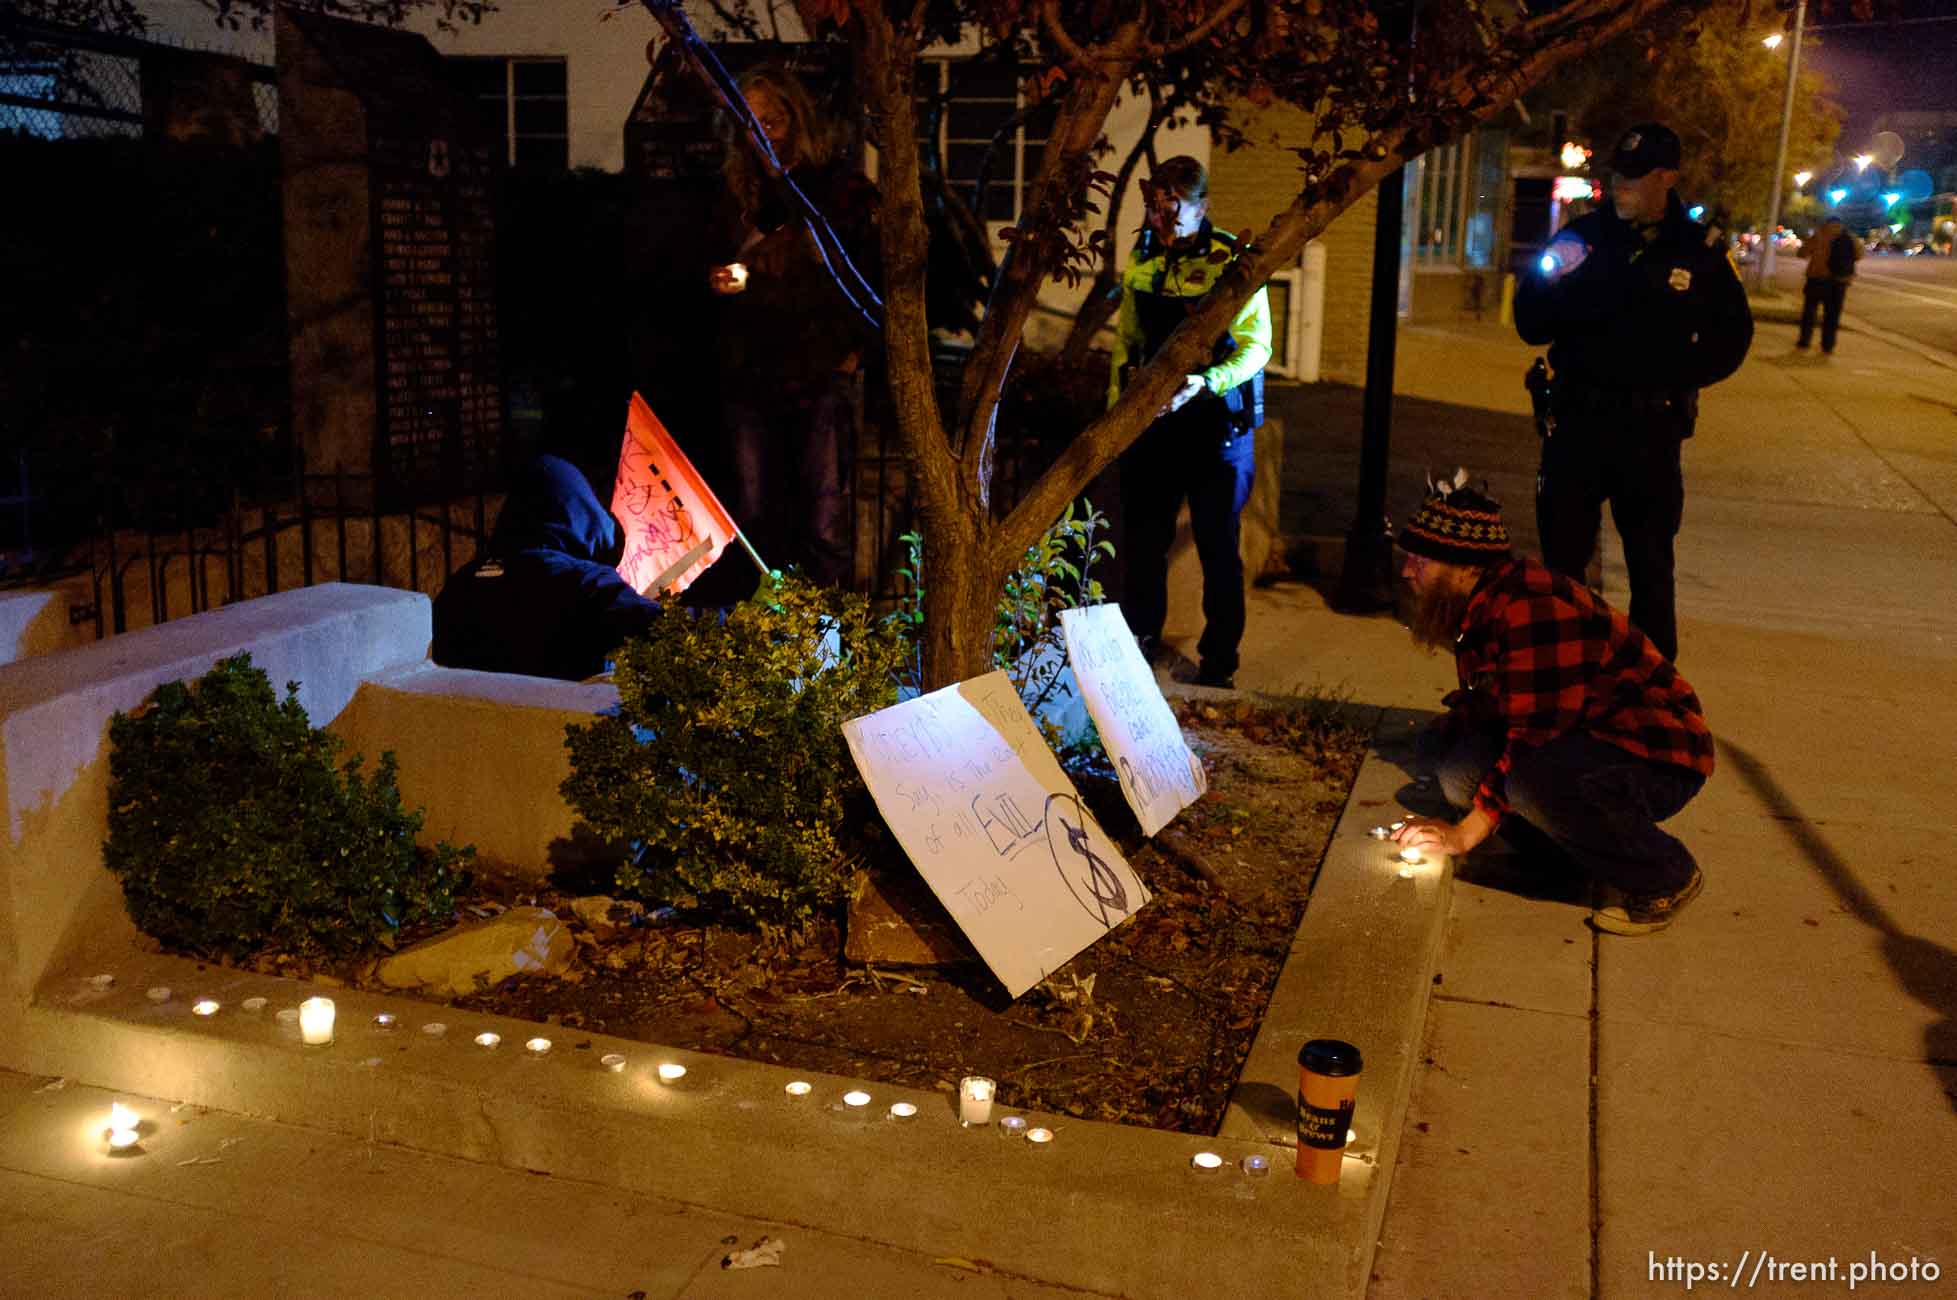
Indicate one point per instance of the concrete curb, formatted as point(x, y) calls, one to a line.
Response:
point(728, 1138)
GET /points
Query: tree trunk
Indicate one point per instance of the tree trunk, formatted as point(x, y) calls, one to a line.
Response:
point(961, 601)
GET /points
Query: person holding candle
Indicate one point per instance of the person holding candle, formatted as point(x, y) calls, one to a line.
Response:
point(791, 341)
point(1570, 731)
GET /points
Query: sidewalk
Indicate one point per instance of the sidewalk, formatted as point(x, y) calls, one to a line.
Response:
point(1778, 1072)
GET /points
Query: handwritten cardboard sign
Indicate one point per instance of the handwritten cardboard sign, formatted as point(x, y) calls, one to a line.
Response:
point(981, 806)
point(1158, 773)
point(675, 527)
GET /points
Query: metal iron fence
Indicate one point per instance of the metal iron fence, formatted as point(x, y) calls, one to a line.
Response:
point(66, 83)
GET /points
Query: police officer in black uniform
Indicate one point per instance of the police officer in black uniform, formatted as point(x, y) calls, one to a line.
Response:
point(1201, 448)
point(1641, 308)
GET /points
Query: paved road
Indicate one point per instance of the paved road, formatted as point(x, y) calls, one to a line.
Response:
point(1915, 297)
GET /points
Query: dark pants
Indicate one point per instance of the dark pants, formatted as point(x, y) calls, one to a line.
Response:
point(789, 445)
point(1621, 448)
point(1183, 455)
point(1826, 296)
point(1583, 803)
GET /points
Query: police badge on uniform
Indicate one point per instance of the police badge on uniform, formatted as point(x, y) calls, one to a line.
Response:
point(1681, 279)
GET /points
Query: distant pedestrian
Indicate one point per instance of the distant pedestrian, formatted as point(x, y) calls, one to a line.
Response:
point(1202, 445)
point(1832, 255)
point(1641, 308)
point(1570, 732)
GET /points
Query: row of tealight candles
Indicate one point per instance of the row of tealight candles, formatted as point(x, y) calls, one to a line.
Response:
point(316, 1017)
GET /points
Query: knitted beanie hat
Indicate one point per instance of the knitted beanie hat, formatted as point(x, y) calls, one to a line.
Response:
point(1457, 525)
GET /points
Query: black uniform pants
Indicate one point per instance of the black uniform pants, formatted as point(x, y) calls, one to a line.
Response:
point(1826, 296)
point(1621, 447)
point(1184, 455)
point(1579, 802)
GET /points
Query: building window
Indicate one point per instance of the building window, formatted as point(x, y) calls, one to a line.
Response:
point(1454, 195)
point(984, 99)
point(525, 103)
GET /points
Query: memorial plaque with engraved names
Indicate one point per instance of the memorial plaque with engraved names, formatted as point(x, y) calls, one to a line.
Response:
point(435, 295)
point(390, 259)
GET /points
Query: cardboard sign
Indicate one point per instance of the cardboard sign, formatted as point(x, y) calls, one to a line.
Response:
point(995, 827)
point(674, 525)
point(1158, 773)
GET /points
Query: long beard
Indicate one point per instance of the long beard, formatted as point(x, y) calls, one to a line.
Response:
point(1434, 616)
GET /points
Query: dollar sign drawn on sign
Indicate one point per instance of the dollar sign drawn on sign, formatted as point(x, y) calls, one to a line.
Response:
point(1105, 892)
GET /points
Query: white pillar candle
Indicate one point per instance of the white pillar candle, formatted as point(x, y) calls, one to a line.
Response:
point(975, 1100)
point(316, 1021)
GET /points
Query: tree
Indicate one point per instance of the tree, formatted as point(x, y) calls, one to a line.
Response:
point(1377, 98)
point(1720, 88)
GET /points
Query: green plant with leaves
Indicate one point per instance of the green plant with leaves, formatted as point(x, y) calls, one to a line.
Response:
point(724, 769)
point(1055, 574)
point(234, 830)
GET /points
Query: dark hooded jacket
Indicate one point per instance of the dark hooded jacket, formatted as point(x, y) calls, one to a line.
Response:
point(545, 599)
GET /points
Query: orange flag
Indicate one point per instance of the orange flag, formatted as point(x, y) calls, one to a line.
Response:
point(674, 525)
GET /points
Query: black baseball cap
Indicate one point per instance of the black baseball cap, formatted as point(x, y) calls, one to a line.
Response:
point(1644, 149)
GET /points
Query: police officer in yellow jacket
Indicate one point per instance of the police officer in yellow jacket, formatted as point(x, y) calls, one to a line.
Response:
point(1641, 308)
point(1202, 445)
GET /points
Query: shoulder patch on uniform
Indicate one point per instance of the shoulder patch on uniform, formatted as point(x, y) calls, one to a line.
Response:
point(1681, 279)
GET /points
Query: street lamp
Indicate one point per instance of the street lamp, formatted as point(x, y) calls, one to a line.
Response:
point(1766, 262)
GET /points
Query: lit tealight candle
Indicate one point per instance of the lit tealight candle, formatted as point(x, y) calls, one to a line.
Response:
point(1255, 1166)
point(488, 1038)
point(204, 1007)
point(384, 1020)
point(798, 1088)
point(737, 272)
point(1379, 832)
point(856, 1099)
point(537, 1046)
point(612, 1061)
point(123, 1123)
point(1411, 856)
point(1012, 1126)
point(1204, 1162)
point(902, 1110)
point(975, 1100)
point(670, 1072)
point(1039, 1137)
point(316, 1022)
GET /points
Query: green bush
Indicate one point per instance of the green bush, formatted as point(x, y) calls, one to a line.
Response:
point(233, 832)
point(725, 769)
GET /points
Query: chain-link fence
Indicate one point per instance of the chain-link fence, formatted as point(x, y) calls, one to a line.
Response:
point(60, 83)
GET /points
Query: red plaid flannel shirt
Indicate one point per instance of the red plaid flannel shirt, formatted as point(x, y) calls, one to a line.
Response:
point(1553, 658)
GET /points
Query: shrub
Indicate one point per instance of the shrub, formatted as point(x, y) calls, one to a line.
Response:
point(233, 832)
point(725, 769)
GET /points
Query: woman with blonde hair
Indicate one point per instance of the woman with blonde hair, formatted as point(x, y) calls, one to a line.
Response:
point(791, 342)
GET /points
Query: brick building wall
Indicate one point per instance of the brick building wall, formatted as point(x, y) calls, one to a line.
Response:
point(1253, 184)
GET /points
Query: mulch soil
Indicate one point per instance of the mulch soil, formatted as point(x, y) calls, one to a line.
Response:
point(1150, 1025)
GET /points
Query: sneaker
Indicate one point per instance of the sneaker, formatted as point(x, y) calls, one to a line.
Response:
point(1207, 676)
point(1647, 913)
